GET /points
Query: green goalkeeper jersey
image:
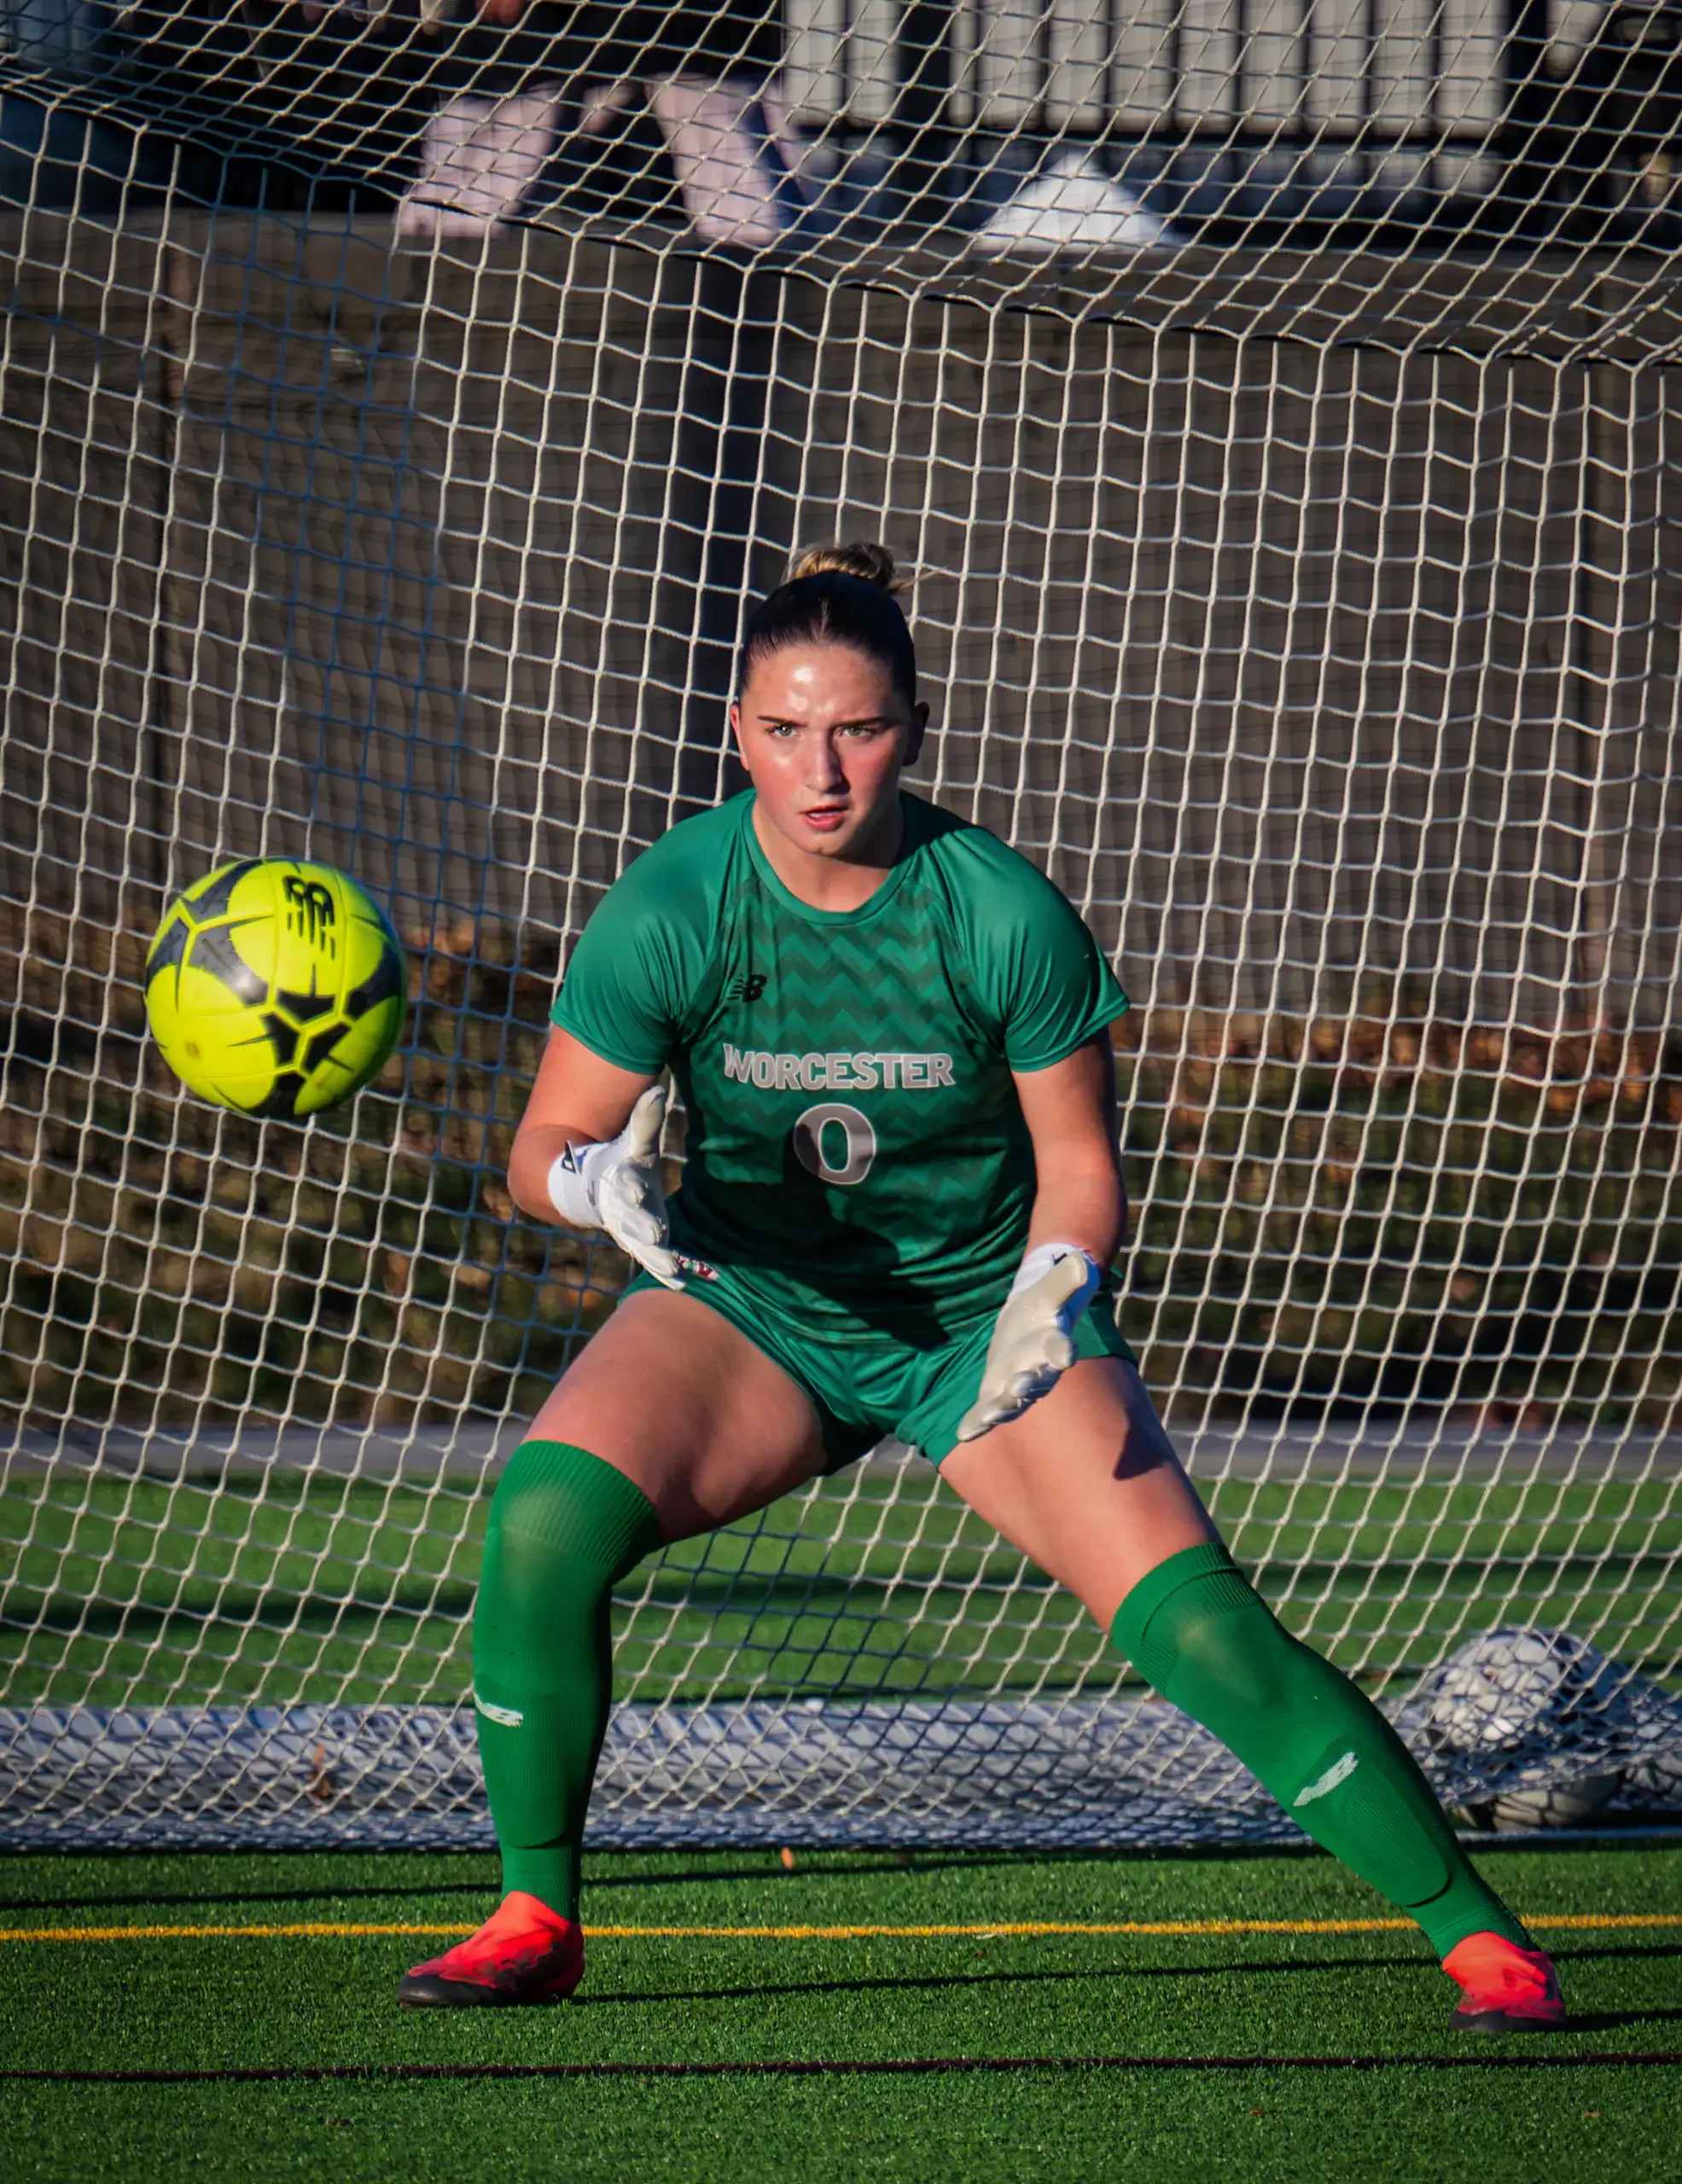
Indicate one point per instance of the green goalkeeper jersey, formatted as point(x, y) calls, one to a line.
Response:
point(856, 1157)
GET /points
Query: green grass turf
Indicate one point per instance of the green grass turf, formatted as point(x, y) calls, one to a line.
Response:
point(215, 2004)
point(117, 1591)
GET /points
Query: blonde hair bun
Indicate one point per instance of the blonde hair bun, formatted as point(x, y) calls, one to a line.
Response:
point(856, 557)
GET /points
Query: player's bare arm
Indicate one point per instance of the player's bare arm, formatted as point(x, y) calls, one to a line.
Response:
point(1070, 1111)
point(587, 1154)
point(577, 1099)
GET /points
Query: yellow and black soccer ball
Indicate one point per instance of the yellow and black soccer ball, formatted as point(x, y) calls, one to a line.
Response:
point(275, 988)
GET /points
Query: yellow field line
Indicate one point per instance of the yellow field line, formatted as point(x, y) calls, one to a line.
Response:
point(320, 1929)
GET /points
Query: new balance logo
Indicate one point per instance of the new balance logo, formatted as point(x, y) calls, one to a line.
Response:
point(510, 1717)
point(837, 1073)
point(310, 911)
point(749, 988)
point(1339, 1771)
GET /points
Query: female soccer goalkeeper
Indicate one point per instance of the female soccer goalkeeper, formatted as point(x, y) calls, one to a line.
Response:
point(898, 1214)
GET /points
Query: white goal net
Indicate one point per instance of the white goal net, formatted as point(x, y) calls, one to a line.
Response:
point(1280, 408)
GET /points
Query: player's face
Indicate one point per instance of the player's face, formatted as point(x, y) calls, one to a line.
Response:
point(824, 735)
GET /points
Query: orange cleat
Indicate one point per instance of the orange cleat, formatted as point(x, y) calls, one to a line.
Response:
point(523, 1952)
point(1506, 1988)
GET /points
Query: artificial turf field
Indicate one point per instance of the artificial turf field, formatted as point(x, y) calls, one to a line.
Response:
point(121, 1592)
point(1318, 2049)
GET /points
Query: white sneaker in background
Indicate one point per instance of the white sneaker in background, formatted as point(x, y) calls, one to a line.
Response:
point(1072, 204)
point(479, 157)
point(734, 150)
point(732, 147)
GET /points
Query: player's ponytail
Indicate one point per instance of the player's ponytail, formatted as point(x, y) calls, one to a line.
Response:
point(864, 558)
point(841, 595)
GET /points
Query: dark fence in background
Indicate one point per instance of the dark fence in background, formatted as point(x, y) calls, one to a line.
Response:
point(1300, 666)
point(1243, 120)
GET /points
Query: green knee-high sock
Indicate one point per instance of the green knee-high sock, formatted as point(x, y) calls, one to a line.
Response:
point(564, 1527)
point(1199, 1632)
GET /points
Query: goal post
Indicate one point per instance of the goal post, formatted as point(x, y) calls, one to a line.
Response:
point(1295, 583)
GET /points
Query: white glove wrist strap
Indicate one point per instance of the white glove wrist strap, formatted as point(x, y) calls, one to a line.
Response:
point(1044, 1257)
point(572, 1185)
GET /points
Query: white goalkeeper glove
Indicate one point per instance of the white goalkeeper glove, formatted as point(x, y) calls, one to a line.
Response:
point(617, 1186)
point(1033, 1336)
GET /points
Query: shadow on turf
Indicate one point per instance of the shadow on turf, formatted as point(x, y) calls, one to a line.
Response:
point(104, 1900)
point(934, 1982)
point(1615, 2021)
point(814, 1865)
point(1604, 2021)
point(1570, 1953)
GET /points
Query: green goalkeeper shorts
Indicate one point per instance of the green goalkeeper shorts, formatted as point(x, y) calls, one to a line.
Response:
point(863, 1391)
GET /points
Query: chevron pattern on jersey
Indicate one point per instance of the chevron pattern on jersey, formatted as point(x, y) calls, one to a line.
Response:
point(893, 1203)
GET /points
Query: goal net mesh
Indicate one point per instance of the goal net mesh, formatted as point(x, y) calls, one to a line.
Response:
point(1281, 414)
